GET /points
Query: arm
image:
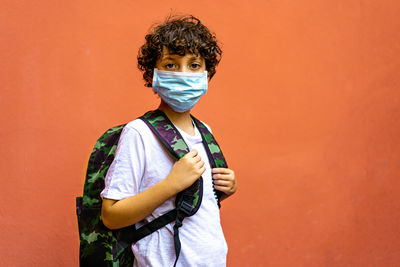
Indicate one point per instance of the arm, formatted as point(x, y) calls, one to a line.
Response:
point(224, 181)
point(120, 213)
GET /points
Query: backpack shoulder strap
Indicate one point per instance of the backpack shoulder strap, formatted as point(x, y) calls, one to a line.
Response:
point(166, 132)
point(211, 145)
point(214, 152)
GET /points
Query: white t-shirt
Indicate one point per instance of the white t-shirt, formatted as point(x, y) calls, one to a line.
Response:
point(140, 162)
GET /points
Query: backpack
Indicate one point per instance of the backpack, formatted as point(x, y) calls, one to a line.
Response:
point(100, 246)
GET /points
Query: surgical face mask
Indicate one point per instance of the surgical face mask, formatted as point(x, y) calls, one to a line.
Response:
point(180, 90)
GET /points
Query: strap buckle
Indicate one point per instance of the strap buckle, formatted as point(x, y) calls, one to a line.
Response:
point(186, 205)
point(186, 208)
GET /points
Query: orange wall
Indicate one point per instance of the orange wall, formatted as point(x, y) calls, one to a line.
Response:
point(305, 104)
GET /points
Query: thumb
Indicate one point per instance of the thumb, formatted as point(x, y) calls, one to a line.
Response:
point(191, 154)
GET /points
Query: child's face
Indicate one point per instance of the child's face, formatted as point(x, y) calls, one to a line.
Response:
point(186, 63)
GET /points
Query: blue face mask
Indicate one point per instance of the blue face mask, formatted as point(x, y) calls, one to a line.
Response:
point(180, 90)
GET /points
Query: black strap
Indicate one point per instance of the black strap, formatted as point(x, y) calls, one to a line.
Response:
point(177, 241)
point(154, 225)
point(160, 222)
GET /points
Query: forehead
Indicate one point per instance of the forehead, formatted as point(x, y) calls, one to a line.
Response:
point(166, 54)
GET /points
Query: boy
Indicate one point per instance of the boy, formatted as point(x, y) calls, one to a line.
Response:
point(177, 60)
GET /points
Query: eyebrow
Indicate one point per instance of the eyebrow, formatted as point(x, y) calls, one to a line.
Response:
point(172, 57)
point(167, 57)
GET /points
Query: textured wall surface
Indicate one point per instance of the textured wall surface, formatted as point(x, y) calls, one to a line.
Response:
point(305, 105)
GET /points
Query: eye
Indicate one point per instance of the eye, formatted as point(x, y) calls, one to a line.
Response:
point(170, 66)
point(195, 66)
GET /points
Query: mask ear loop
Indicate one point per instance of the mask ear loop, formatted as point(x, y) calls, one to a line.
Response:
point(154, 82)
point(206, 82)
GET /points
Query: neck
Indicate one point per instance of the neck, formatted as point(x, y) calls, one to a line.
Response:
point(181, 119)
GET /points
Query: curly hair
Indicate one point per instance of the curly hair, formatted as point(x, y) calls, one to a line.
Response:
point(180, 36)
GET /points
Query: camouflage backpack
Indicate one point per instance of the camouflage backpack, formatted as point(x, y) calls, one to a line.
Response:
point(100, 246)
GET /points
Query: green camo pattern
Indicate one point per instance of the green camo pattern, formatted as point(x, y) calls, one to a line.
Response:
point(100, 246)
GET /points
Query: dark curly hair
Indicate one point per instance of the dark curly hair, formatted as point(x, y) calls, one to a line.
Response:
point(180, 35)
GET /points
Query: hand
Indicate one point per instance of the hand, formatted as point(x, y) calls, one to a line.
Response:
point(186, 171)
point(224, 180)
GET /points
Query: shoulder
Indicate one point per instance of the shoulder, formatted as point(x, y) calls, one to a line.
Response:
point(134, 133)
point(138, 131)
point(138, 126)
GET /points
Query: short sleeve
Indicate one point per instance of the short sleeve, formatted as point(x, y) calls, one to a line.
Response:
point(126, 171)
